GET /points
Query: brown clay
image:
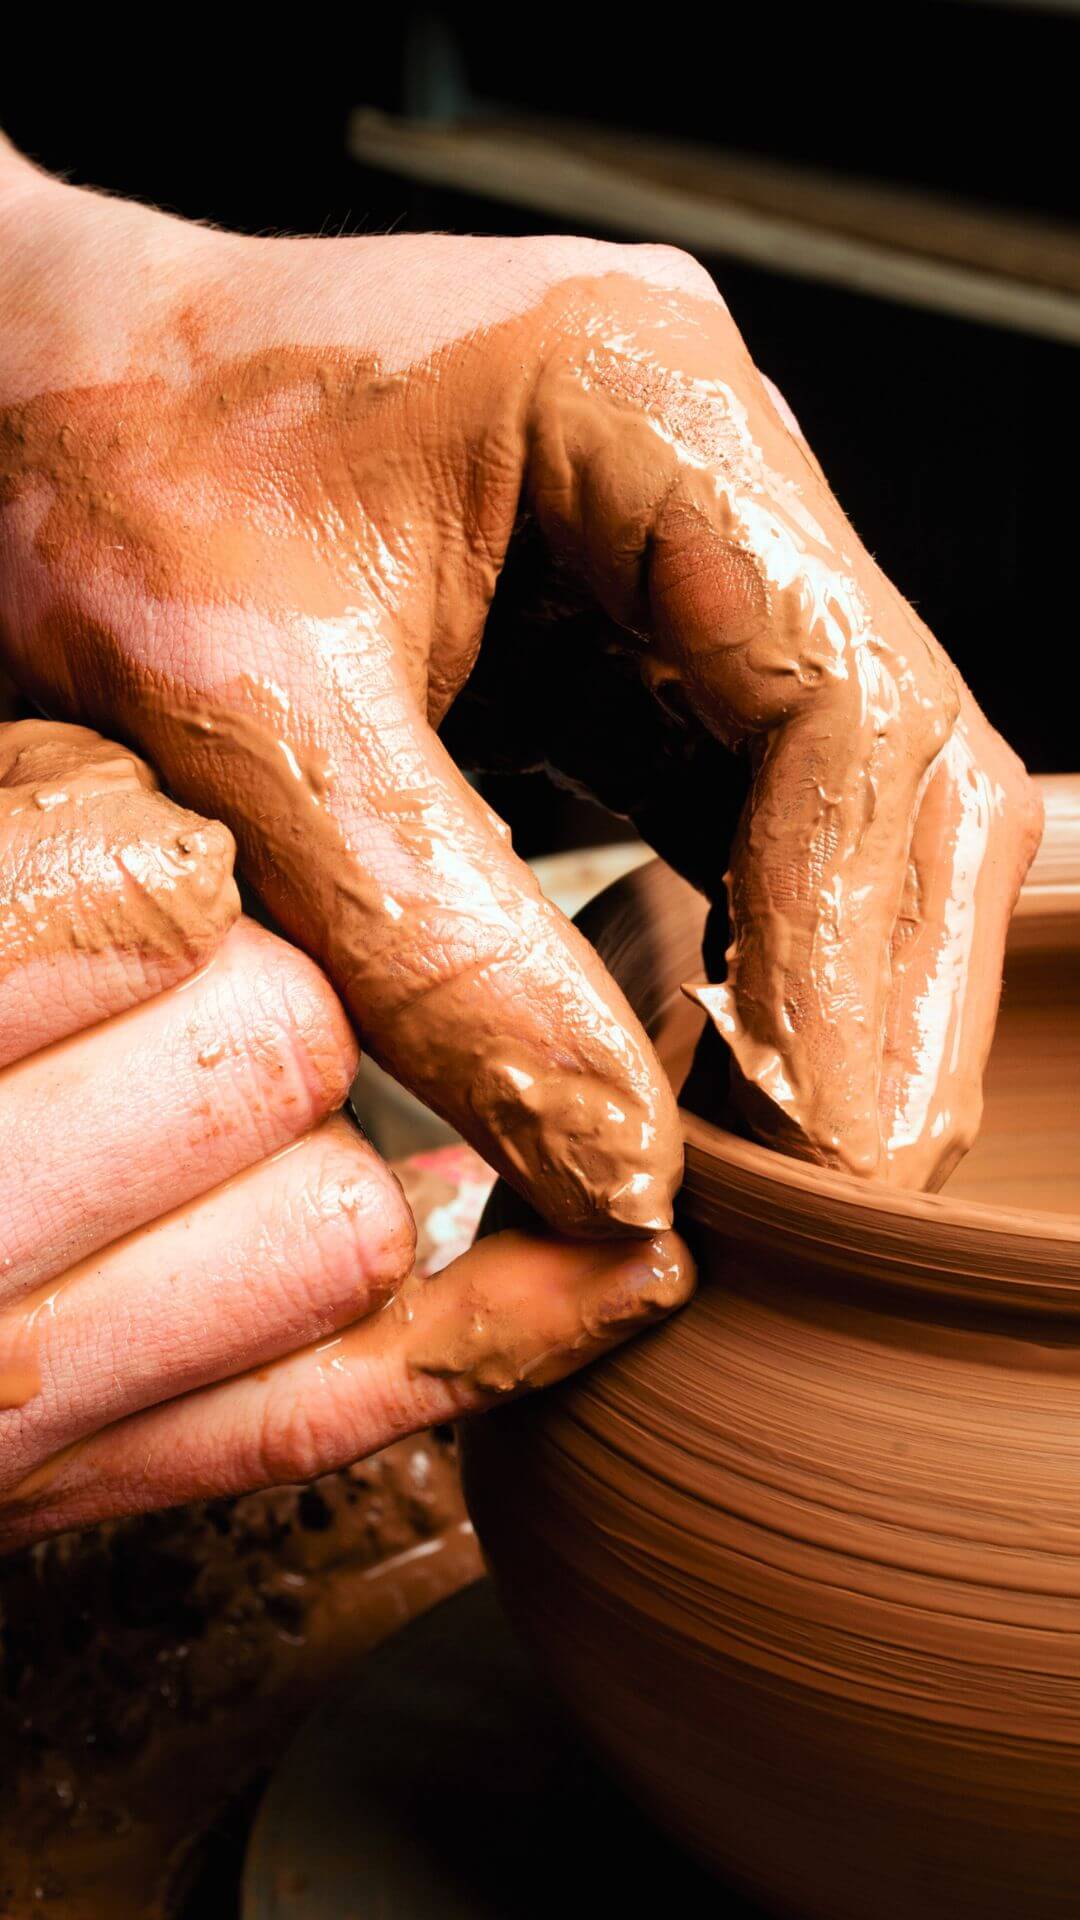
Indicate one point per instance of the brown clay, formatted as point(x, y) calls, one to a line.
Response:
point(109, 892)
point(272, 569)
point(805, 1560)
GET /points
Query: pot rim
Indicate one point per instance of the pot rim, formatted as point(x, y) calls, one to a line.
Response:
point(832, 1222)
point(828, 1221)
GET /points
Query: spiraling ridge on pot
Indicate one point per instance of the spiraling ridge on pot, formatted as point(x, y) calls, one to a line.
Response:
point(805, 1560)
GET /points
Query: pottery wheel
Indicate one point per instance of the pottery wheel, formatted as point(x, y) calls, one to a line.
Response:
point(441, 1782)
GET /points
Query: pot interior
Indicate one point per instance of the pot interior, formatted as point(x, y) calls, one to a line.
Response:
point(1028, 1150)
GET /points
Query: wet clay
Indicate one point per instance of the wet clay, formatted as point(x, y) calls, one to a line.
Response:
point(345, 518)
point(153, 1669)
point(354, 823)
point(944, 971)
point(108, 891)
point(803, 1559)
point(499, 1337)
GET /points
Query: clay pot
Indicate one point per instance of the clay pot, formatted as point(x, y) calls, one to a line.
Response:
point(805, 1561)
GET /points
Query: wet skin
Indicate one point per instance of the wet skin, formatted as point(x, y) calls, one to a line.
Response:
point(206, 1275)
point(278, 511)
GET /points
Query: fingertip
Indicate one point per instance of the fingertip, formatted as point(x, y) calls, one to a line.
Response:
point(520, 1311)
point(596, 1154)
point(638, 1207)
point(355, 1187)
point(648, 1283)
point(282, 982)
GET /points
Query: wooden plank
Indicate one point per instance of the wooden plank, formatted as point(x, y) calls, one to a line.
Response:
point(726, 206)
point(1039, 252)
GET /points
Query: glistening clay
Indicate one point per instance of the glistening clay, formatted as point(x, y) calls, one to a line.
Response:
point(804, 1559)
point(272, 564)
point(97, 865)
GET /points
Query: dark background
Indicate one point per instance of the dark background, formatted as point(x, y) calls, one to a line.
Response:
point(951, 444)
point(977, 99)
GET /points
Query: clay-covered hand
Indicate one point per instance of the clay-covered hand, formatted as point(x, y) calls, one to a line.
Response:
point(263, 499)
point(206, 1274)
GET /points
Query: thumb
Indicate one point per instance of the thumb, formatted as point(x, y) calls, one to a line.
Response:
point(109, 893)
point(515, 1312)
point(374, 854)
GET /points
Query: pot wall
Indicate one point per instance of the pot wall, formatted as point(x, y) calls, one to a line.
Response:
point(805, 1561)
point(809, 1572)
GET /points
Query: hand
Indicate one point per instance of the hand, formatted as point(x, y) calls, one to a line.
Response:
point(196, 1241)
point(260, 494)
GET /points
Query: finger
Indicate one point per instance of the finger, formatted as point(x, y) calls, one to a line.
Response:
point(111, 1129)
point(789, 419)
point(510, 1314)
point(686, 500)
point(842, 728)
point(977, 831)
point(374, 853)
point(285, 1253)
point(814, 888)
point(109, 893)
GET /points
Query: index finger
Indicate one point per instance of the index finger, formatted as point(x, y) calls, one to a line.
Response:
point(377, 856)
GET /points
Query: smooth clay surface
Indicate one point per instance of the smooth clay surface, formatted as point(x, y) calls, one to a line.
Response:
point(806, 1559)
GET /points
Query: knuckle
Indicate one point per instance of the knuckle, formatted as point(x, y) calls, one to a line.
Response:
point(1031, 811)
point(298, 1438)
point(673, 268)
point(1025, 812)
point(655, 263)
point(300, 1039)
point(930, 708)
point(950, 699)
point(141, 890)
point(359, 1195)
